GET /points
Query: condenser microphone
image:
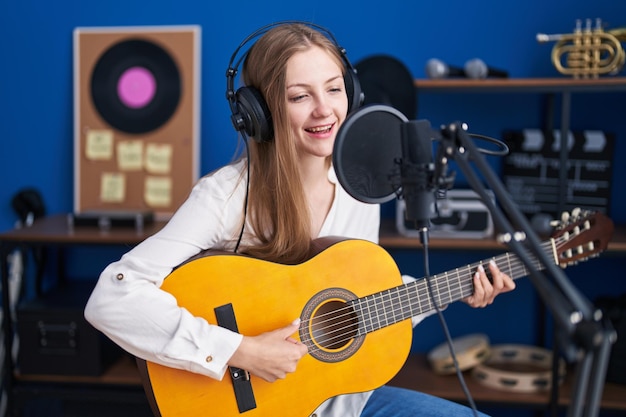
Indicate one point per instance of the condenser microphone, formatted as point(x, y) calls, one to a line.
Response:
point(477, 69)
point(417, 172)
point(436, 68)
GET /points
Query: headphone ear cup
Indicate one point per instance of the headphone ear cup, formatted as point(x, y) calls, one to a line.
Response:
point(255, 114)
point(353, 90)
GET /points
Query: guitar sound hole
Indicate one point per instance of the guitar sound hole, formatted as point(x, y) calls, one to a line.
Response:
point(334, 325)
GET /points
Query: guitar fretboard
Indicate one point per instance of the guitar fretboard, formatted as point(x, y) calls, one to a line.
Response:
point(393, 305)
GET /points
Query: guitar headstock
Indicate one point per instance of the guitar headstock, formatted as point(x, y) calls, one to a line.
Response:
point(580, 235)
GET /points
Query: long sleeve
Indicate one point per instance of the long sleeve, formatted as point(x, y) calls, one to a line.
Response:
point(128, 305)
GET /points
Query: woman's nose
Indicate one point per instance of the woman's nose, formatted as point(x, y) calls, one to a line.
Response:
point(322, 108)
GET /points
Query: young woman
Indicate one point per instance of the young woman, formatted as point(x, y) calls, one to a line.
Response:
point(269, 204)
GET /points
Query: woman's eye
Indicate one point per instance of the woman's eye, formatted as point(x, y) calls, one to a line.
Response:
point(297, 98)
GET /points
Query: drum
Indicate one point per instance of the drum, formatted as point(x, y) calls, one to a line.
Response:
point(470, 350)
point(518, 368)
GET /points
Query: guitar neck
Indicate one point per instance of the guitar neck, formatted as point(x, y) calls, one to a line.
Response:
point(405, 301)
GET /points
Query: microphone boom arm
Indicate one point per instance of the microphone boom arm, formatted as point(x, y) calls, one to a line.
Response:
point(586, 336)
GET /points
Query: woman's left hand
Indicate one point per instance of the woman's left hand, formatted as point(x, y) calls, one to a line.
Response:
point(486, 290)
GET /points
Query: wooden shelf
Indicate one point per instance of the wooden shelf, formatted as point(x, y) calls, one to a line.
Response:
point(55, 230)
point(565, 86)
point(521, 85)
point(418, 375)
point(390, 238)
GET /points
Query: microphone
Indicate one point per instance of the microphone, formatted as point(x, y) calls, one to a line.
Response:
point(477, 69)
point(436, 68)
point(417, 172)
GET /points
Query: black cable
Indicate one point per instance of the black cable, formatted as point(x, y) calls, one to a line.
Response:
point(442, 320)
point(245, 204)
point(503, 151)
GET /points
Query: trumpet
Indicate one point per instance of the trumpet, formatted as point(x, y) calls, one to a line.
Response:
point(588, 52)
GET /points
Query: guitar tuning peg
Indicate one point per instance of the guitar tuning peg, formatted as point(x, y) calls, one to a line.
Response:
point(576, 212)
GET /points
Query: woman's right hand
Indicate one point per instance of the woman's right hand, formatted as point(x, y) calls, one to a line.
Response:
point(270, 355)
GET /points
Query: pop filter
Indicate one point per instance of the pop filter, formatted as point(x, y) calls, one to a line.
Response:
point(366, 151)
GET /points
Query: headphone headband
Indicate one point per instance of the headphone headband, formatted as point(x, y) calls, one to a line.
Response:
point(249, 111)
point(262, 30)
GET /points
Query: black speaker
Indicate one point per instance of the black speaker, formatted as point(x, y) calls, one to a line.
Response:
point(56, 339)
point(250, 112)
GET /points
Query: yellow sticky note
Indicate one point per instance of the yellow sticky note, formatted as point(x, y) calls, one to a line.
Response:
point(112, 187)
point(158, 191)
point(130, 155)
point(158, 158)
point(99, 145)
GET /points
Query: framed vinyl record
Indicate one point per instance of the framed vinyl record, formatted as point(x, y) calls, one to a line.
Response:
point(136, 118)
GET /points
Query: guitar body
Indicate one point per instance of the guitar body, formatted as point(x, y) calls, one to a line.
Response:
point(266, 296)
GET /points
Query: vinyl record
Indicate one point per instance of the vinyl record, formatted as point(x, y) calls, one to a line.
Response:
point(136, 86)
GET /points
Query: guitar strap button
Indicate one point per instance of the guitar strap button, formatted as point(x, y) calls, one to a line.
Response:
point(209, 359)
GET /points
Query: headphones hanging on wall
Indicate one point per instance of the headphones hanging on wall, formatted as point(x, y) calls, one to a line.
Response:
point(249, 110)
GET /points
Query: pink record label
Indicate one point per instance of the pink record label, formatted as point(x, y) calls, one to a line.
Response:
point(136, 87)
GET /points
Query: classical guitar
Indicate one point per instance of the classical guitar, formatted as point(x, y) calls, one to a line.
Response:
point(354, 312)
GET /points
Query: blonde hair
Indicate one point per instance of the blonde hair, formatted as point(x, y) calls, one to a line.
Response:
point(278, 209)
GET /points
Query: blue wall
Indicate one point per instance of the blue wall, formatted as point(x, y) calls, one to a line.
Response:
point(36, 140)
point(36, 70)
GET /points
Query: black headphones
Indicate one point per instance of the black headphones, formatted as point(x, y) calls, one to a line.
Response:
point(249, 109)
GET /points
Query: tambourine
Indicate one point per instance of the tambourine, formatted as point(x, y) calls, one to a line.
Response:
point(518, 368)
point(470, 350)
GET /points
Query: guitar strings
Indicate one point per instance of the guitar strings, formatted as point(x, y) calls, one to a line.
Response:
point(516, 271)
point(342, 328)
point(338, 334)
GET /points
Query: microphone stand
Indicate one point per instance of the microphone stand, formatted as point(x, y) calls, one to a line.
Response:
point(584, 335)
point(420, 180)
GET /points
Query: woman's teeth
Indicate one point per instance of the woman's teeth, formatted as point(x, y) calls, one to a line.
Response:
point(319, 129)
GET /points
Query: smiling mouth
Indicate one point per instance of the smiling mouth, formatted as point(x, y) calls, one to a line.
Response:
point(320, 129)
